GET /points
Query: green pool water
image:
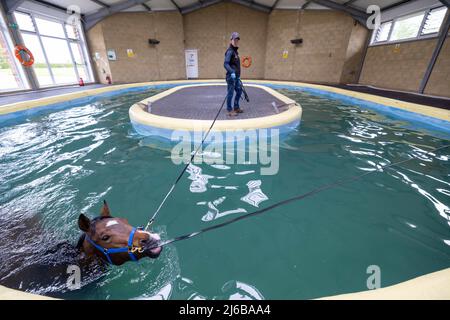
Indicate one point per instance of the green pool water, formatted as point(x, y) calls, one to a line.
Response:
point(56, 165)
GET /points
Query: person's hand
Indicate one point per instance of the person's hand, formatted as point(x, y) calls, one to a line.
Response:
point(233, 76)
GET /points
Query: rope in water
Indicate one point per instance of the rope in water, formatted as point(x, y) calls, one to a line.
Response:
point(299, 197)
point(152, 219)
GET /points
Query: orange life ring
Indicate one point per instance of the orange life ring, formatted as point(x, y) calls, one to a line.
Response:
point(18, 52)
point(246, 61)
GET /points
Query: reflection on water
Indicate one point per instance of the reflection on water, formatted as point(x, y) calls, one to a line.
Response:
point(214, 213)
point(54, 166)
point(231, 290)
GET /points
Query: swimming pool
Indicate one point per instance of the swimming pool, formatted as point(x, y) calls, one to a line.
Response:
point(57, 164)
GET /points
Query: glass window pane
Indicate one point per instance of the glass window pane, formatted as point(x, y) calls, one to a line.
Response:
point(79, 60)
point(50, 28)
point(434, 20)
point(72, 32)
point(60, 60)
point(407, 27)
point(383, 32)
point(77, 53)
point(83, 73)
point(40, 65)
point(24, 21)
point(10, 77)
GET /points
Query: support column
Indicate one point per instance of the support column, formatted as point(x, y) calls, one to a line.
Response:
point(17, 39)
point(441, 39)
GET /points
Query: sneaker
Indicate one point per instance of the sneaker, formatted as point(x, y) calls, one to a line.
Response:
point(238, 110)
point(232, 113)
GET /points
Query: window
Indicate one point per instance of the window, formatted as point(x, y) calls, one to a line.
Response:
point(58, 48)
point(11, 74)
point(407, 27)
point(418, 25)
point(60, 60)
point(41, 69)
point(383, 32)
point(24, 21)
point(50, 28)
point(434, 20)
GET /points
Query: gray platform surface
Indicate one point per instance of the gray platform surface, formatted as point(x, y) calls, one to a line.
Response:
point(203, 102)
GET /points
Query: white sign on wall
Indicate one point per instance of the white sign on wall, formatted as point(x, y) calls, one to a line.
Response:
point(112, 55)
point(191, 63)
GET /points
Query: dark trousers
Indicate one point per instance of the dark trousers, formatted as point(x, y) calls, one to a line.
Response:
point(232, 86)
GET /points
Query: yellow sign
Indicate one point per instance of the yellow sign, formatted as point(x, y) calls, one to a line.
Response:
point(285, 54)
point(397, 48)
point(130, 53)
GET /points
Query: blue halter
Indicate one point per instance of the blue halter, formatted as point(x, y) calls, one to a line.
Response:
point(108, 251)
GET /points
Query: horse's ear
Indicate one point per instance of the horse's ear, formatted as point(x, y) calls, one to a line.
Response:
point(105, 210)
point(84, 223)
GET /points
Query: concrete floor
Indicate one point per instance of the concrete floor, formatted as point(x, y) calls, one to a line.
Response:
point(32, 95)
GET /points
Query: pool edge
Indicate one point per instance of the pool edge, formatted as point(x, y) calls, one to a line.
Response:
point(431, 286)
point(429, 111)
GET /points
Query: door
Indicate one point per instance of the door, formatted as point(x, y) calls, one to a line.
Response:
point(191, 63)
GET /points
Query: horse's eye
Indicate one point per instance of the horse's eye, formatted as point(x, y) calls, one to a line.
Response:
point(105, 238)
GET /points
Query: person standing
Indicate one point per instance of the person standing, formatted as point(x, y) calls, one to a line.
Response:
point(232, 65)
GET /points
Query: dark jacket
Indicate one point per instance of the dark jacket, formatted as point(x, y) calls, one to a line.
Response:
point(232, 62)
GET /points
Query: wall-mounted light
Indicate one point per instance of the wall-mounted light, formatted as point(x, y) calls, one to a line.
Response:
point(297, 41)
point(153, 41)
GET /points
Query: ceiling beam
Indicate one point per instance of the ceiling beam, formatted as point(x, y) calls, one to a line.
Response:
point(176, 5)
point(93, 18)
point(146, 6)
point(274, 5)
point(356, 14)
point(102, 4)
point(49, 5)
point(253, 5)
point(388, 7)
point(307, 3)
point(348, 3)
point(336, 6)
point(11, 5)
point(199, 5)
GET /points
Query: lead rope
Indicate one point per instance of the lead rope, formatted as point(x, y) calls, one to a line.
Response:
point(299, 197)
point(152, 219)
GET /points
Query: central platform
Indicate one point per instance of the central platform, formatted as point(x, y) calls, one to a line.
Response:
point(193, 108)
point(202, 103)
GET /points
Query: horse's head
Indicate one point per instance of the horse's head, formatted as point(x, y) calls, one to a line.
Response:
point(114, 240)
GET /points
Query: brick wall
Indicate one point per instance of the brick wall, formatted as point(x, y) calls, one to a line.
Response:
point(326, 46)
point(97, 44)
point(331, 41)
point(208, 30)
point(132, 30)
point(400, 66)
point(403, 66)
point(439, 82)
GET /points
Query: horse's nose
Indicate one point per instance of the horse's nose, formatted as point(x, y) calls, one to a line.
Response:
point(152, 243)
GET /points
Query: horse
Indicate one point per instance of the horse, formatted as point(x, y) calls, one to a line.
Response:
point(114, 240)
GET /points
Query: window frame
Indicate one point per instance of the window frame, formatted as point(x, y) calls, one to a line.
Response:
point(425, 20)
point(81, 41)
point(25, 84)
point(419, 33)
